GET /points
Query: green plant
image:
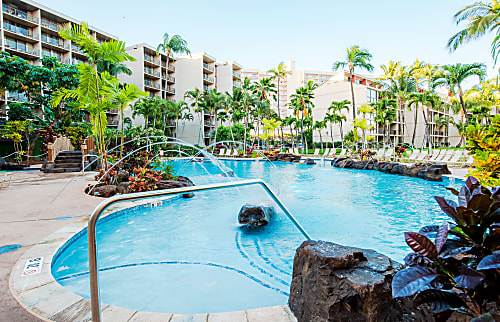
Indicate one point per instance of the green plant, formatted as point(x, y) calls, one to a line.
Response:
point(166, 168)
point(483, 142)
point(460, 269)
point(77, 135)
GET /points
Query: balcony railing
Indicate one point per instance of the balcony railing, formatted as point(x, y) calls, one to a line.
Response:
point(171, 68)
point(20, 31)
point(171, 79)
point(171, 100)
point(237, 84)
point(170, 89)
point(55, 42)
point(151, 60)
point(17, 97)
point(206, 88)
point(236, 74)
point(151, 84)
point(77, 61)
point(19, 13)
point(113, 111)
point(151, 72)
point(207, 66)
point(51, 25)
point(208, 78)
point(22, 48)
point(76, 49)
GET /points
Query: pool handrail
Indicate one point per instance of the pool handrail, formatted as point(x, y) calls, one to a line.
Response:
point(91, 227)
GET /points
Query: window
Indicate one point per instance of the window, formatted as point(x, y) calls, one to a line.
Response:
point(371, 95)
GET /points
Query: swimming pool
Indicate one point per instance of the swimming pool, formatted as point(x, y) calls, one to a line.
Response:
point(191, 256)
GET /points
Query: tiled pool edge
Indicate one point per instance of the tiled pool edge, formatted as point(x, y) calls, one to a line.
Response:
point(46, 299)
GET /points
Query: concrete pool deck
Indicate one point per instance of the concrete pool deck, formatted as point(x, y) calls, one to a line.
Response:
point(28, 216)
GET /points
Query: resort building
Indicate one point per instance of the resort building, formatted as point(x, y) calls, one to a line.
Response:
point(30, 30)
point(288, 84)
point(227, 76)
point(367, 91)
point(196, 71)
point(151, 74)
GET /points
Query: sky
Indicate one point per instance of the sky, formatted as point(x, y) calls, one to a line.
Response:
point(260, 34)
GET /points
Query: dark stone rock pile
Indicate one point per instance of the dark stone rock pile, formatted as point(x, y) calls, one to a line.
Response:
point(6, 166)
point(332, 282)
point(286, 157)
point(426, 171)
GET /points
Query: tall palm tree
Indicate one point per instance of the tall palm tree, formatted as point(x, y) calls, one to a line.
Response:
point(290, 121)
point(482, 18)
point(263, 88)
point(430, 73)
point(333, 118)
point(91, 82)
point(172, 45)
point(454, 75)
point(177, 110)
point(279, 73)
point(336, 108)
point(195, 96)
point(114, 69)
point(123, 96)
point(427, 101)
point(356, 58)
point(320, 125)
point(390, 72)
point(302, 104)
point(386, 114)
point(148, 108)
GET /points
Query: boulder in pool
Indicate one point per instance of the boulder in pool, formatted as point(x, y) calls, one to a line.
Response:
point(256, 213)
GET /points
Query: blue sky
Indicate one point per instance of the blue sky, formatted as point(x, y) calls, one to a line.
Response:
point(260, 34)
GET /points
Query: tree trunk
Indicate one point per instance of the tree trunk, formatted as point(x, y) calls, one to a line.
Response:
point(415, 125)
point(341, 133)
point(123, 131)
point(352, 94)
point(460, 94)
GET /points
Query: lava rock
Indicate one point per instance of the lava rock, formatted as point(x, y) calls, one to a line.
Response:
point(439, 168)
point(123, 188)
point(431, 175)
point(308, 161)
point(286, 157)
point(179, 183)
point(104, 191)
point(332, 282)
point(257, 213)
point(123, 176)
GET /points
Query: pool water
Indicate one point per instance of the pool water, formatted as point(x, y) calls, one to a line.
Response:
point(192, 256)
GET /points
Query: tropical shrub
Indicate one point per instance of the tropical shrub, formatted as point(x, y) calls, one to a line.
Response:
point(77, 135)
point(166, 168)
point(144, 179)
point(459, 271)
point(106, 178)
point(483, 142)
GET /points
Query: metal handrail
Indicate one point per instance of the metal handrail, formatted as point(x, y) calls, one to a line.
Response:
point(91, 229)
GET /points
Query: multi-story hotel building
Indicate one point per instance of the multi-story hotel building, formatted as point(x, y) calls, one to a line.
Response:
point(30, 30)
point(227, 76)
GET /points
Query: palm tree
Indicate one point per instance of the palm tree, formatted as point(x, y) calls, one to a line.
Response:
point(114, 69)
point(148, 108)
point(177, 110)
point(301, 102)
point(320, 125)
point(454, 75)
point(195, 96)
point(172, 45)
point(279, 73)
point(333, 118)
point(482, 18)
point(123, 96)
point(386, 114)
point(427, 101)
point(356, 57)
point(430, 73)
point(263, 88)
point(336, 108)
point(88, 93)
point(390, 72)
point(290, 121)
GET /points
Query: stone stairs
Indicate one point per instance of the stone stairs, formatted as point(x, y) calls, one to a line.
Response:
point(67, 161)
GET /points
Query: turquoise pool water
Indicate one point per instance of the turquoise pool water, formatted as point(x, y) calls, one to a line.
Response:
point(191, 256)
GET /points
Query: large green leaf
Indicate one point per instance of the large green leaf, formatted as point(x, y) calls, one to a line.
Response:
point(411, 280)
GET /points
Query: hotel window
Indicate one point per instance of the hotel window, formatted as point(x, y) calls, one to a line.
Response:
point(371, 95)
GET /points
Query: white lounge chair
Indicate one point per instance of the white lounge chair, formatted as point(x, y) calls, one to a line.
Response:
point(445, 156)
point(435, 155)
point(228, 153)
point(342, 153)
point(388, 154)
point(235, 153)
point(222, 152)
point(316, 152)
point(423, 157)
point(380, 154)
point(455, 159)
point(414, 155)
point(325, 154)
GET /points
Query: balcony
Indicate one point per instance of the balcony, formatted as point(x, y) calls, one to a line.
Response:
point(171, 68)
point(151, 72)
point(171, 100)
point(113, 123)
point(211, 69)
point(236, 74)
point(151, 60)
point(23, 15)
point(151, 84)
point(170, 89)
point(113, 111)
point(209, 124)
point(206, 88)
point(25, 34)
point(58, 43)
point(77, 50)
point(50, 25)
point(77, 61)
point(237, 84)
point(17, 97)
point(170, 79)
point(208, 79)
point(21, 48)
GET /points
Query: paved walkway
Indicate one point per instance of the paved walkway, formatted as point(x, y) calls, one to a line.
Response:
point(27, 215)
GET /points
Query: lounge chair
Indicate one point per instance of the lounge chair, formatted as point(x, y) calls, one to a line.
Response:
point(388, 154)
point(455, 159)
point(325, 154)
point(380, 154)
point(316, 152)
point(435, 155)
point(221, 152)
point(342, 153)
point(414, 155)
point(235, 153)
point(445, 156)
point(423, 157)
point(228, 153)
point(295, 151)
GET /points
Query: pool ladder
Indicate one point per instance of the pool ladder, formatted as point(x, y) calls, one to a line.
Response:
point(91, 230)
